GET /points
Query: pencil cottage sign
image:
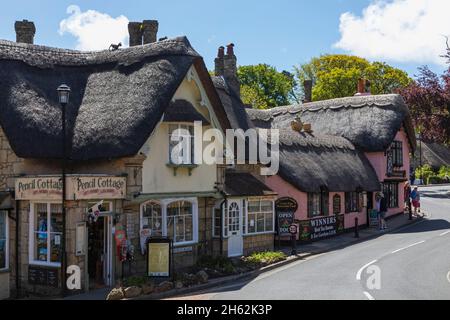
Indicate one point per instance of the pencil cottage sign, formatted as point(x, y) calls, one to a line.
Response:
point(78, 188)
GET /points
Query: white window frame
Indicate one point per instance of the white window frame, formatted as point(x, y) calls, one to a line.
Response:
point(141, 214)
point(247, 212)
point(7, 240)
point(190, 140)
point(31, 235)
point(164, 203)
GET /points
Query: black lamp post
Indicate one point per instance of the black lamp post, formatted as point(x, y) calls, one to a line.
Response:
point(63, 95)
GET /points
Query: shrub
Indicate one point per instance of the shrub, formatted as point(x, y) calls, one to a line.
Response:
point(135, 281)
point(219, 263)
point(265, 257)
point(434, 180)
point(424, 172)
point(444, 173)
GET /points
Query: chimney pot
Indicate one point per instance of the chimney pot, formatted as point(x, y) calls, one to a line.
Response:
point(230, 49)
point(219, 62)
point(149, 31)
point(221, 52)
point(25, 31)
point(135, 33)
point(307, 86)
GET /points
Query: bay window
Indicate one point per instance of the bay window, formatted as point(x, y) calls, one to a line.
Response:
point(4, 241)
point(260, 216)
point(45, 233)
point(176, 219)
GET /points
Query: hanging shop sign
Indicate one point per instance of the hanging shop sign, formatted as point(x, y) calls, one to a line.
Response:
point(77, 188)
point(100, 187)
point(159, 253)
point(285, 209)
point(320, 228)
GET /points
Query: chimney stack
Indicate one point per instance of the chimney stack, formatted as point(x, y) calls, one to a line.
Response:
point(363, 88)
point(307, 87)
point(144, 32)
point(25, 31)
point(149, 31)
point(230, 70)
point(135, 33)
point(218, 62)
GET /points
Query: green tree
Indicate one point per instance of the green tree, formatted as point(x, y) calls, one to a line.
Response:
point(337, 75)
point(264, 87)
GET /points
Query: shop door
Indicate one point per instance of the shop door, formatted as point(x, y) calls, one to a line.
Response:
point(235, 239)
point(99, 253)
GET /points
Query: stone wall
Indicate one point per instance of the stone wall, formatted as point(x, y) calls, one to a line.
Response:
point(260, 242)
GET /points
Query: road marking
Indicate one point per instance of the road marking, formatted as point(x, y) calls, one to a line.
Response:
point(358, 274)
point(448, 276)
point(444, 233)
point(368, 295)
point(411, 245)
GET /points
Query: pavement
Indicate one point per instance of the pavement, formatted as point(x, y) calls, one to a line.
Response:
point(409, 261)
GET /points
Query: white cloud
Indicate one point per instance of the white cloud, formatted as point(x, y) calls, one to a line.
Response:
point(94, 30)
point(398, 30)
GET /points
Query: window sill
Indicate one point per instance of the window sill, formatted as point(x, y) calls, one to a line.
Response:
point(175, 167)
point(184, 244)
point(258, 233)
point(5, 270)
point(45, 264)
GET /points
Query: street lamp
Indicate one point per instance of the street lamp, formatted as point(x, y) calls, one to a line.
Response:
point(63, 95)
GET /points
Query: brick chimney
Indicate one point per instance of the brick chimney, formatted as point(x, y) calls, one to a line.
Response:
point(218, 62)
point(149, 31)
point(363, 88)
point(25, 31)
point(135, 33)
point(307, 87)
point(230, 70)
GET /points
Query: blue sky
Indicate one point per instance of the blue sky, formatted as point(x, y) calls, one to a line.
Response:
point(281, 33)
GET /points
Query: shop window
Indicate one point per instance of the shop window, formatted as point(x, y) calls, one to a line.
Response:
point(180, 221)
point(260, 216)
point(46, 236)
point(336, 204)
point(151, 218)
point(318, 204)
point(352, 200)
point(4, 241)
point(390, 191)
point(181, 144)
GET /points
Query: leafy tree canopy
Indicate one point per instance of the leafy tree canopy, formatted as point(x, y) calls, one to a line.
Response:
point(336, 75)
point(264, 87)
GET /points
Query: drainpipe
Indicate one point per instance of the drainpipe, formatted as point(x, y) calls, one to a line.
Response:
point(221, 222)
point(17, 249)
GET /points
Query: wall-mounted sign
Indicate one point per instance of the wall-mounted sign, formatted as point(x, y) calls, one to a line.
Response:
point(100, 187)
point(43, 276)
point(373, 218)
point(48, 188)
point(319, 228)
point(77, 188)
point(285, 209)
point(159, 252)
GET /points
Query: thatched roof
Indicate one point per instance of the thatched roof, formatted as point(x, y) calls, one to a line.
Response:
point(369, 122)
point(183, 111)
point(310, 162)
point(117, 96)
point(434, 154)
point(233, 105)
point(244, 184)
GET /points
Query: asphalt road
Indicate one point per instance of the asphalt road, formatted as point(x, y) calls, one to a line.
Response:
point(410, 263)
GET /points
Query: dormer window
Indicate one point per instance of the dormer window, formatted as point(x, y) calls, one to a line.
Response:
point(181, 144)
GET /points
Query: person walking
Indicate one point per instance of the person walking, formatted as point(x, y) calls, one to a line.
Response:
point(415, 197)
point(383, 211)
point(407, 197)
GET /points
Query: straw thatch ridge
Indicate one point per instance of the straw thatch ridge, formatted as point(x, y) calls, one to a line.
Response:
point(232, 104)
point(369, 122)
point(311, 162)
point(117, 97)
